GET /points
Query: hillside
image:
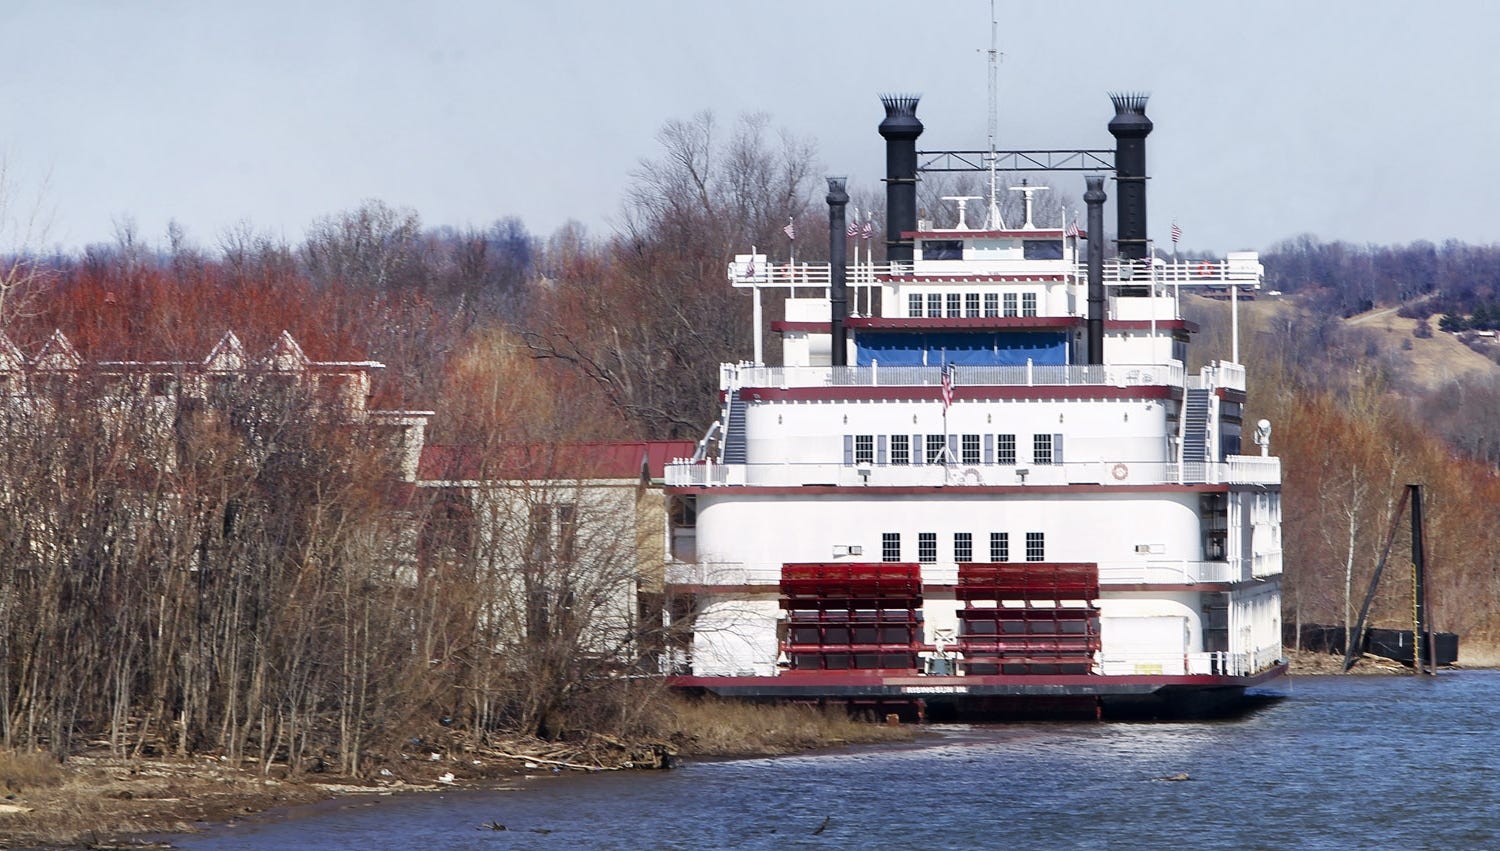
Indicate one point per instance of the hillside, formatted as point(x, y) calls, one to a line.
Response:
point(1421, 364)
point(1429, 362)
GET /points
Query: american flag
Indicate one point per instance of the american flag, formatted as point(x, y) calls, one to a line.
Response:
point(947, 386)
point(869, 230)
point(852, 229)
point(791, 229)
point(1072, 230)
point(750, 269)
point(1176, 233)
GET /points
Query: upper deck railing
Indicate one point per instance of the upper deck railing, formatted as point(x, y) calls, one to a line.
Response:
point(1210, 273)
point(1140, 571)
point(1029, 375)
point(1237, 470)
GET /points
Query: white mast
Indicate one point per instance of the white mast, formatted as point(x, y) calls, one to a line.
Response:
point(994, 222)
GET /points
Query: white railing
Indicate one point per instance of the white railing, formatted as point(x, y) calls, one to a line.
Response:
point(1252, 470)
point(1169, 571)
point(787, 276)
point(1224, 374)
point(736, 376)
point(1116, 272)
point(1266, 564)
point(1217, 662)
point(1152, 572)
point(722, 573)
point(1231, 375)
point(1190, 272)
point(1239, 470)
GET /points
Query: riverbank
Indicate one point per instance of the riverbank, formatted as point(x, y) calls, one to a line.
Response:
point(99, 801)
point(1309, 663)
point(95, 800)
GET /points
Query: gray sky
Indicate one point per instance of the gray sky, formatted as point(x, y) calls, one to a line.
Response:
point(1369, 121)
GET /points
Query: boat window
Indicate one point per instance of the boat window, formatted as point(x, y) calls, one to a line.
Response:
point(963, 546)
point(1010, 305)
point(991, 304)
point(914, 305)
point(934, 305)
point(955, 305)
point(890, 546)
point(900, 449)
point(937, 446)
point(1041, 449)
point(944, 249)
point(1036, 546)
point(999, 546)
point(864, 449)
point(971, 305)
point(1028, 304)
point(927, 546)
point(1042, 249)
point(1005, 449)
point(970, 449)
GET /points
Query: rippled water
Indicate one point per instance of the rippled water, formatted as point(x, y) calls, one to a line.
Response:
point(1343, 762)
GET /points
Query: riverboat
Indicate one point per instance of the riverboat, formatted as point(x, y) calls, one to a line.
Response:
point(983, 479)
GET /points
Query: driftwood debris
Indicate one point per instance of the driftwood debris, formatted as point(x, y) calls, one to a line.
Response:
point(572, 765)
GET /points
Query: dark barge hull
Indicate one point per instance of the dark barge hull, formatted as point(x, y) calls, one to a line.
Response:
point(1000, 697)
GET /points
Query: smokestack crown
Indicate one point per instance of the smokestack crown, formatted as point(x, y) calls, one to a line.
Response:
point(837, 195)
point(1130, 115)
point(901, 120)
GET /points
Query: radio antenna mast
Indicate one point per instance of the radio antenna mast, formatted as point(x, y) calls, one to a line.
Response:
point(994, 222)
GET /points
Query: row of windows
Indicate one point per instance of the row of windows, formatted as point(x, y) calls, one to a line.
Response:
point(948, 448)
point(969, 305)
point(963, 546)
point(953, 249)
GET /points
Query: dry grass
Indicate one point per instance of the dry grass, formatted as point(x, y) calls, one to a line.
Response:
point(25, 771)
point(1429, 362)
point(716, 727)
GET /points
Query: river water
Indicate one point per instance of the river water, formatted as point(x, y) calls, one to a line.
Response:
point(1340, 762)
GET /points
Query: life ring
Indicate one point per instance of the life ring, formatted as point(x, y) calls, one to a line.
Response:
point(1119, 471)
point(1206, 270)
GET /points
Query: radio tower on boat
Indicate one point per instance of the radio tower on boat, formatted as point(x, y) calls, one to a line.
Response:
point(993, 222)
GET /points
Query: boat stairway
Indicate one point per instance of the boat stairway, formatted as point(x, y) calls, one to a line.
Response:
point(1195, 427)
point(734, 432)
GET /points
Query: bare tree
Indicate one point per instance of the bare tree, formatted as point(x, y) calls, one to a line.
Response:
point(23, 227)
point(375, 247)
point(648, 317)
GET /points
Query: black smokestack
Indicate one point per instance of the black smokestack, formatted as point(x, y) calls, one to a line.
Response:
point(1094, 197)
point(900, 129)
point(838, 295)
point(1130, 127)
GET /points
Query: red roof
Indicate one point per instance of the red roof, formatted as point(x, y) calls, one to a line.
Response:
point(632, 460)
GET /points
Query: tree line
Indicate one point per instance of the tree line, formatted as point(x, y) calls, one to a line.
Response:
point(243, 578)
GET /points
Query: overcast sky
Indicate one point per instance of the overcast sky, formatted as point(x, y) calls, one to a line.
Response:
point(1364, 121)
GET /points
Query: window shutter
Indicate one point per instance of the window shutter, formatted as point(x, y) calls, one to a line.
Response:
point(989, 449)
point(880, 447)
point(918, 450)
point(1057, 456)
point(848, 449)
point(952, 448)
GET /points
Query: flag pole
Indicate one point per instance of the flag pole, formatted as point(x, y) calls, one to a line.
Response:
point(853, 231)
point(791, 250)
